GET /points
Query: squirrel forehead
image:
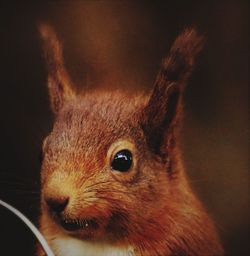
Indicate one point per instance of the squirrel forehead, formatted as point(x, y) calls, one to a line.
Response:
point(101, 109)
point(93, 119)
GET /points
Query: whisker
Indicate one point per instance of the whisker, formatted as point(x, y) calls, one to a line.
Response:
point(15, 175)
point(110, 199)
point(13, 183)
point(116, 192)
point(83, 180)
point(101, 200)
point(97, 184)
point(19, 190)
point(112, 191)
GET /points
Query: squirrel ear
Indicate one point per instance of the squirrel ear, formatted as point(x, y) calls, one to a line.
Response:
point(59, 84)
point(164, 106)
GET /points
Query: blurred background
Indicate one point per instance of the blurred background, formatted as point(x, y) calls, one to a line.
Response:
point(123, 42)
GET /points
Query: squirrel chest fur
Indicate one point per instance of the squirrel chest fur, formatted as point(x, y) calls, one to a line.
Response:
point(112, 177)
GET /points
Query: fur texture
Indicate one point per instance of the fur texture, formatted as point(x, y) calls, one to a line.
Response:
point(149, 210)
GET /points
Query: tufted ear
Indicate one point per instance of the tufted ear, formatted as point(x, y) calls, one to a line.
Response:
point(164, 105)
point(59, 84)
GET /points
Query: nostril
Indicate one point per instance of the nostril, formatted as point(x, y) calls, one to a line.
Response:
point(57, 205)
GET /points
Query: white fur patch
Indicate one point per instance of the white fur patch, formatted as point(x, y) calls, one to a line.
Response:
point(65, 246)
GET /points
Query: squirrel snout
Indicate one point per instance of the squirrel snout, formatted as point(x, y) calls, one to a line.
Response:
point(57, 205)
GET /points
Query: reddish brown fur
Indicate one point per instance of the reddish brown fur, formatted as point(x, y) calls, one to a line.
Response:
point(153, 209)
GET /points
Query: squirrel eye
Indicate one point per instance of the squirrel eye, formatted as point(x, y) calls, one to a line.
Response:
point(122, 161)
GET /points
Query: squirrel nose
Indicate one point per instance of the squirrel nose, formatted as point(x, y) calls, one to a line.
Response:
point(57, 205)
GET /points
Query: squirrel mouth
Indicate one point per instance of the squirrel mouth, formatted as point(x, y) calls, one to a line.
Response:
point(76, 224)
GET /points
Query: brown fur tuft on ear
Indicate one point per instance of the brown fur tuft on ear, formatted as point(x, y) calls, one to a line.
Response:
point(59, 84)
point(180, 62)
point(164, 105)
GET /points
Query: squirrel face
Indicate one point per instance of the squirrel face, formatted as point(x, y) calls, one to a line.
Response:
point(112, 169)
point(84, 190)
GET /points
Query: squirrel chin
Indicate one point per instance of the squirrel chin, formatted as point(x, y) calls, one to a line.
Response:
point(65, 246)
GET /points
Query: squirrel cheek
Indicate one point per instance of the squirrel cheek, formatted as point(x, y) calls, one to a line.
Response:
point(125, 177)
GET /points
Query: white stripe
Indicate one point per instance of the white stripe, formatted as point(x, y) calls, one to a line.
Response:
point(32, 227)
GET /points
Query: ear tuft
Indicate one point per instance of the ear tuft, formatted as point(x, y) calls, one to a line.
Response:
point(180, 61)
point(164, 105)
point(59, 84)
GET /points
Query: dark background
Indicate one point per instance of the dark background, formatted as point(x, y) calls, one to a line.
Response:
point(125, 40)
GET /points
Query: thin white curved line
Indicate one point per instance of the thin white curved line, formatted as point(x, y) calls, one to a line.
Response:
point(32, 227)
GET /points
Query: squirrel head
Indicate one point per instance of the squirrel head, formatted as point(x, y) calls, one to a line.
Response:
point(110, 165)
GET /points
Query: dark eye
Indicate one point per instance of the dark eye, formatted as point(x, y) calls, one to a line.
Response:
point(122, 161)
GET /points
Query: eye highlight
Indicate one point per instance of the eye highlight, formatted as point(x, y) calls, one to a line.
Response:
point(122, 161)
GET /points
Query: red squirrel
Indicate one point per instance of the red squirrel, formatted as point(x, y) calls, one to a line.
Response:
point(112, 175)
